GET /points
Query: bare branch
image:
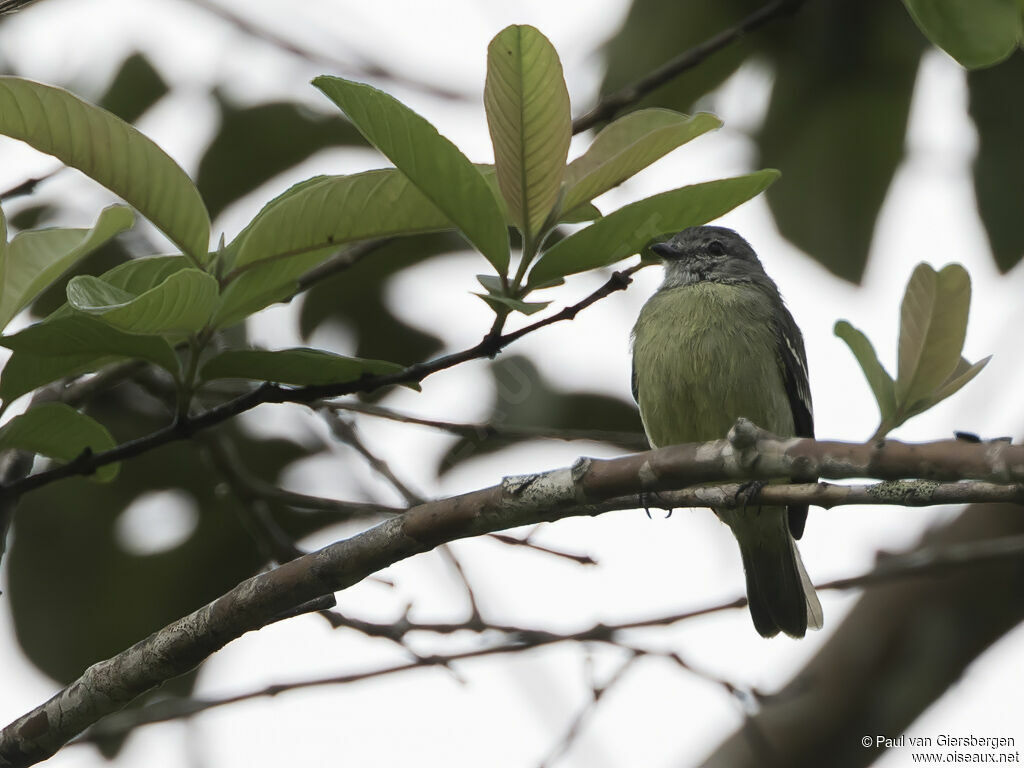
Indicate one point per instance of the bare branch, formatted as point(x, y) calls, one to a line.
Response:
point(484, 430)
point(613, 103)
point(364, 69)
point(911, 565)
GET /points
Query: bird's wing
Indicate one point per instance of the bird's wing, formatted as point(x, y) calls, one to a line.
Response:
point(635, 384)
point(793, 359)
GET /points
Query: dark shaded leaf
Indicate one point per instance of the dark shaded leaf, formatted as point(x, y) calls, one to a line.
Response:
point(135, 88)
point(836, 124)
point(58, 431)
point(292, 366)
point(255, 144)
point(998, 114)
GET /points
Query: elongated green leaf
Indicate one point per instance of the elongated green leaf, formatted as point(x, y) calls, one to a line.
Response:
point(265, 283)
point(331, 210)
point(68, 344)
point(298, 366)
point(627, 230)
point(110, 151)
point(933, 323)
point(432, 163)
point(59, 432)
point(879, 380)
point(183, 303)
point(527, 107)
point(35, 259)
point(963, 373)
point(977, 33)
point(629, 145)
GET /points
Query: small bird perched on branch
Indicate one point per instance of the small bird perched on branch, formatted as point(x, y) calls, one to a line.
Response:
point(714, 343)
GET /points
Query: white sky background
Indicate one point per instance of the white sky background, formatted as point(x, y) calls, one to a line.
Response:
point(512, 710)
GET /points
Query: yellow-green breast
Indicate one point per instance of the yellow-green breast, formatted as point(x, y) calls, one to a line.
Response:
point(704, 355)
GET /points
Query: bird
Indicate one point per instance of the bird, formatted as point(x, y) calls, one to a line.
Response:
point(714, 343)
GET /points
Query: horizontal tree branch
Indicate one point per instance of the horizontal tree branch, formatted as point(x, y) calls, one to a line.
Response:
point(587, 488)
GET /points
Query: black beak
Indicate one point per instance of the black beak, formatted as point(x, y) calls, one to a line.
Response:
point(663, 250)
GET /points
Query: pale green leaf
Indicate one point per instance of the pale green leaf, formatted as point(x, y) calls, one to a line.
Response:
point(112, 152)
point(264, 283)
point(497, 302)
point(432, 163)
point(36, 258)
point(933, 323)
point(183, 303)
point(527, 107)
point(963, 373)
point(58, 431)
point(629, 145)
point(977, 33)
point(299, 366)
point(331, 210)
point(878, 378)
point(626, 231)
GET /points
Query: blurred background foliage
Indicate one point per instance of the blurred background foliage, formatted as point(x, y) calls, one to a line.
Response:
point(843, 73)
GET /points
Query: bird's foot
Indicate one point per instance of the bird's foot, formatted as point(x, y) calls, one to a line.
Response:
point(748, 491)
point(644, 499)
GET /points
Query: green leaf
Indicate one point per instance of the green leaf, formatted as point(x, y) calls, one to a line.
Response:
point(71, 344)
point(527, 107)
point(35, 259)
point(879, 380)
point(627, 230)
point(629, 145)
point(432, 163)
point(328, 211)
point(183, 303)
point(266, 282)
point(998, 181)
point(110, 151)
point(838, 127)
point(977, 33)
point(963, 373)
point(581, 214)
point(933, 323)
point(59, 432)
point(496, 301)
point(299, 366)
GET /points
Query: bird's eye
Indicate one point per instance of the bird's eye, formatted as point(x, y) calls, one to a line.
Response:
point(715, 248)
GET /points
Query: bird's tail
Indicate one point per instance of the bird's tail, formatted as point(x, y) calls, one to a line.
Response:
point(779, 592)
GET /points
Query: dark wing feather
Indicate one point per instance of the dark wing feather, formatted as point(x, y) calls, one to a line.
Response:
point(635, 384)
point(790, 345)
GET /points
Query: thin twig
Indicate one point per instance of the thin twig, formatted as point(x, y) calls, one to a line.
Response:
point(484, 430)
point(597, 693)
point(613, 103)
point(366, 69)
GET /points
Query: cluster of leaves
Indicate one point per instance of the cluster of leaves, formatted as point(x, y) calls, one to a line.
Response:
point(843, 75)
point(933, 324)
point(165, 310)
